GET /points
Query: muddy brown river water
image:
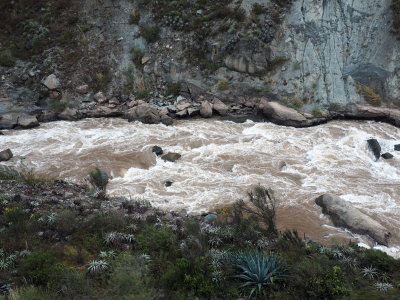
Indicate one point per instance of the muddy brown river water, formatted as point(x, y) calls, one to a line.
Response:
point(222, 160)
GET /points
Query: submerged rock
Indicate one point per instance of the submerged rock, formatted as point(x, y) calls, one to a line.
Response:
point(6, 155)
point(343, 214)
point(387, 155)
point(157, 150)
point(374, 146)
point(397, 147)
point(171, 156)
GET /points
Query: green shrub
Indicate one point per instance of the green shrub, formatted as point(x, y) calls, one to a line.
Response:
point(151, 33)
point(69, 283)
point(7, 61)
point(316, 112)
point(223, 85)
point(38, 268)
point(173, 88)
point(379, 260)
point(98, 178)
point(137, 55)
point(191, 276)
point(369, 95)
point(142, 94)
point(134, 17)
point(152, 239)
point(31, 293)
point(129, 279)
point(330, 286)
point(334, 106)
point(396, 14)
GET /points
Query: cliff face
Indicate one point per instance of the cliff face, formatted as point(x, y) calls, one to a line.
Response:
point(335, 45)
point(307, 54)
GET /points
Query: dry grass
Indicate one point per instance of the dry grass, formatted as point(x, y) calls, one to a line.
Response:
point(369, 95)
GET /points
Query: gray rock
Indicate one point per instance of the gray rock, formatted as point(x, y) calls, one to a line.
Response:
point(210, 218)
point(26, 121)
point(6, 155)
point(397, 147)
point(375, 148)
point(144, 113)
point(182, 113)
point(387, 155)
point(345, 215)
point(69, 114)
point(166, 120)
point(171, 156)
point(283, 115)
point(82, 89)
point(99, 97)
point(8, 121)
point(157, 150)
point(220, 107)
point(206, 109)
point(52, 82)
point(192, 111)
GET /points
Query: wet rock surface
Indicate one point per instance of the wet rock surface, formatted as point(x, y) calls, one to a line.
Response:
point(344, 215)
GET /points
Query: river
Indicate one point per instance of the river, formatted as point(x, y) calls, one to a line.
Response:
point(222, 160)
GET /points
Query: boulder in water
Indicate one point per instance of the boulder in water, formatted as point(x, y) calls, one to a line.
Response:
point(8, 121)
point(344, 215)
point(157, 150)
point(6, 155)
point(374, 146)
point(283, 115)
point(210, 218)
point(220, 107)
point(166, 120)
point(168, 183)
point(171, 156)
point(397, 147)
point(26, 121)
point(144, 113)
point(206, 109)
point(387, 155)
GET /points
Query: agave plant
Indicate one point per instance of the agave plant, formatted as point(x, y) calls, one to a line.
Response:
point(51, 219)
point(259, 270)
point(6, 261)
point(97, 266)
point(129, 237)
point(383, 286)
point(350, 262)
point(112, 237)
point(337, 254)
point(369, 272)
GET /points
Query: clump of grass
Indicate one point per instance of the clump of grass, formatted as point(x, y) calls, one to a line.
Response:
point(369, 95)
point(7, 61)
point(173, 88)
point(223, 85)
point(316, 112)
point(136, 56)
point(275, 63)
point(333, 106)
point(134, 17)
point(151, 33)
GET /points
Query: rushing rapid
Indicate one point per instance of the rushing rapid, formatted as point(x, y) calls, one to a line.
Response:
point(222, 160)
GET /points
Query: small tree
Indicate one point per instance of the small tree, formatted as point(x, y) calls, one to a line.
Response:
point(98, 178)
point(263, 206)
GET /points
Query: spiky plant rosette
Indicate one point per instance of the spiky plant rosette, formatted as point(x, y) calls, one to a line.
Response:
point(259, 270)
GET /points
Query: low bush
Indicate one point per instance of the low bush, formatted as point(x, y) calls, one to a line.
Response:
point(38, 268)
point(151, 33)
point(7, 61)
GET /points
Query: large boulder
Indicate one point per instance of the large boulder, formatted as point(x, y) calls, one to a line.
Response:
point(69, 114)
point(206, 109)
point(144, 113)
point(220, 107)
point(157, 150)
point(283, 115)
point(374, 146)
point(397, 147)
point(8, 121)
point(26, 121)
point(100, 97)
point(387, 155)
point(6, 155)
point(52, 82)
point(343, 214)
point(82, 89)
point(166, 120)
